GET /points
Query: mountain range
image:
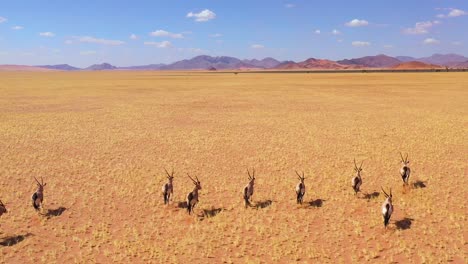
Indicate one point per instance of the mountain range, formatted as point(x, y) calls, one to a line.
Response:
point(205, 62)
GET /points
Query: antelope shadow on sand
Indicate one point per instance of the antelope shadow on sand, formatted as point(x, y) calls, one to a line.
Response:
point(262, 204)
point(370, 196)
point(13, 240)
point(404, 223)
point(182, 204)
point(419, 184)
point(316, 203)
point(55, 212)
point(208, 213)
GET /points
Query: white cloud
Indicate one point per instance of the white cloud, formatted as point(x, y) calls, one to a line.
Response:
point(217, 35)
point(317, 31)
point(421, 27)
point(192, 50)
point(457, 43)
point(47, 34)
point(162, 44)
point(164, 33)
point(388, 46)
point(289, 5)
point(360, 43)
point(336, 32)
point(133, 36)
point(2, 19)
point(68, 42)
point(203, 16)
point(17, 27)
point(431, 41)
point(88, 39)
point(457, 12)
point(453, 13)
point(87, 52)
point(357, 23)
point(257, 46)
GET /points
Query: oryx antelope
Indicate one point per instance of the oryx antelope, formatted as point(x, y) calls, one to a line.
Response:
point(249, 188)
point(387, 207)
point(3, 209)
point(405, 170)
point(300, 188)
point(38, 196)
point(357, 180)
point(192, 197)
point(168, 188)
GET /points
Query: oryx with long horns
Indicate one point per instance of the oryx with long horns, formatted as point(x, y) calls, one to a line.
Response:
point(38, 196)
point(357, 180)
point(405, 170)
point(249, 188)
point(387, 207)
point(300, 188)
point(168, 188)
point(192, 197)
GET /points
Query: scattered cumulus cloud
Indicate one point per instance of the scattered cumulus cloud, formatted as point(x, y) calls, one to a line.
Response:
point(192, 50)
point(360, 43)
point(336, 32)
point(2, 19)
point(164, 33)
point(421, 27)
point(431, 41)
point(133, 36)
point(109, 42)
point(216, 35)
point(388, 46)
point(87, 52)
point(203, 16)
point(257, 46)
point(317, 31)
point(457, 43)
point(162, 44)
point(47, 34)
point(357, 23)
point(289, 5)
point(17, 27)
point(453, 12)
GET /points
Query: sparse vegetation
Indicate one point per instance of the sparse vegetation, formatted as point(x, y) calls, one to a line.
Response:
point(99, 138)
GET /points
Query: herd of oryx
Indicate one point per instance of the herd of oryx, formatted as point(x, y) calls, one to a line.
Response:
point(192, 197)
point(356, 182)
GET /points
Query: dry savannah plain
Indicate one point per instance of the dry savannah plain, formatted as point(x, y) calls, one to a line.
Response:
point(101, 141)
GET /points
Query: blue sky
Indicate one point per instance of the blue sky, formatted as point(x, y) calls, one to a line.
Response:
point(136, 32)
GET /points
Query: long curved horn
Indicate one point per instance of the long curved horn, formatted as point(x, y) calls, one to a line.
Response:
point(360, 167)
point(303, 177)
point(191, 178)
point(248, 172)
point(355, 165)
point(402, 160)
point(406, 159)
point(384, 191)
point(297, 174)
point(197, 179)
point(390, 192)
point(168, 175)
point(37, 180)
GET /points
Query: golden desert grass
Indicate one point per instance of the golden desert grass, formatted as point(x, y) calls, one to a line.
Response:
point(102, 139)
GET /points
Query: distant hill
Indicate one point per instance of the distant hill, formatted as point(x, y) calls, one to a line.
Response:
point(23, 68)
point(266, 63)
point(143, 67)
point(462, 65)
point(61, 67)
point(100, 67)
point(204, 62)
point(444, 59)
point(379, 61)
point(415, 65)
point(312, 63)
point(405, 58)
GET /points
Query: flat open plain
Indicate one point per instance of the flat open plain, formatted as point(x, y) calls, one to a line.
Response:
point(101, 140)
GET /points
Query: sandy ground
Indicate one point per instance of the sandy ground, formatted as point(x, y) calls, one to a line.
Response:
point(101, 140)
